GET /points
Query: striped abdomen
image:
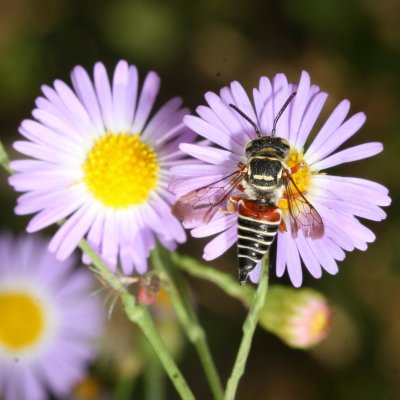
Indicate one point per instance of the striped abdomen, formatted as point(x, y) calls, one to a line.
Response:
point(257, 228)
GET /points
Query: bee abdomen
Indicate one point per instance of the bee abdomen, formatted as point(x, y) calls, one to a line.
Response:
point(255, 237)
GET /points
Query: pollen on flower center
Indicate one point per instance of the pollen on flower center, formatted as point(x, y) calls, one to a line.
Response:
point(120, 170)
point(22, 320)
point(301, 178)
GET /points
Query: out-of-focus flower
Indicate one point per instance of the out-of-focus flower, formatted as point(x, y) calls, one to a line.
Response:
point(340, 201)
point(301, 318)
point(100, 162)
point(48, 320)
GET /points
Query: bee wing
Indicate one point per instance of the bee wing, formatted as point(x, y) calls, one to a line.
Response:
point(200, 205)
point(303, 214)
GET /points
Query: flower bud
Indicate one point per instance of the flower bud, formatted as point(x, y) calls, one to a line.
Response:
point(299, 317)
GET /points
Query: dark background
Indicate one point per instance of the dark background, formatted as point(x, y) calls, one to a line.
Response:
point(351, 48)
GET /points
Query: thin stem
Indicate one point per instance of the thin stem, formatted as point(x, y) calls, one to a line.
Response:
point(249, 328)
point(154, 379)
point(188, 319)
point(141, 316)
point(124, 388)
point(224, 281)
point(4, 159)
point(101, 269)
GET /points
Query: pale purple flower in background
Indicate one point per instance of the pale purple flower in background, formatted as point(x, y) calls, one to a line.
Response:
point(102, 163)
point(49, 321)
point(339, 200)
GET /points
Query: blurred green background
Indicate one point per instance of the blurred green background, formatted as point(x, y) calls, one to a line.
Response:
point(351, 48)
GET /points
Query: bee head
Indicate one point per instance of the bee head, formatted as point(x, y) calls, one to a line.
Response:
point(268, 144)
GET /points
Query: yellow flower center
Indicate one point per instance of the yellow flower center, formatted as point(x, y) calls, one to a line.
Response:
point(120, 170)
point(319, 322)
point(22, 320)
point(301, 178)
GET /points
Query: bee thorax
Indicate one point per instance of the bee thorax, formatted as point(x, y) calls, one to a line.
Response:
point(263, 195)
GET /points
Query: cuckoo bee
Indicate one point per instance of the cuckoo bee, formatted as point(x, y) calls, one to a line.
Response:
point(260, 183)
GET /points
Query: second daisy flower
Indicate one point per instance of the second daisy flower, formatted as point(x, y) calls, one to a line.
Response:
point(340, 201)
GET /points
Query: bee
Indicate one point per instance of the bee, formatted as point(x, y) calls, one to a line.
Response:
point(254, 191)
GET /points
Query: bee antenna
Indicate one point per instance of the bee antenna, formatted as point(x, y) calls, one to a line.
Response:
point(290, 98)
point(251, 122)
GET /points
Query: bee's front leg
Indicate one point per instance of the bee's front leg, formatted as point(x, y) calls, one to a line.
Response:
point(296, 168)
point(231, 205)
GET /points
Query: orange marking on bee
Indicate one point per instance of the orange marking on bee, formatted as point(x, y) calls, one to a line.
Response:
point(282, 226)
point(240, 187)
point(296, 168)
point(249, 208)
point(232, 204)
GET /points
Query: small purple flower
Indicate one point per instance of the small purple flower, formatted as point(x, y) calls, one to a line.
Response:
point(49, 320)
point(102, 163)
point(340, 201)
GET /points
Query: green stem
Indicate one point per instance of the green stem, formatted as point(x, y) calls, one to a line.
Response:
point(188, 319)
point(4, 159)
point(224, 281)
point(124, 388)
point(154, 385)
point(249, 328)
point(141, 316)
point(101, 269)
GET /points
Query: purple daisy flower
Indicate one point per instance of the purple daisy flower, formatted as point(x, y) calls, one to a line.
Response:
point(101, 162)
point(48, 320)
point(340, 201)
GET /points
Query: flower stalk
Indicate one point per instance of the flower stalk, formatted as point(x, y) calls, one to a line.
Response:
point(187, 317)
point(4, 159)
point(249, 328)
point(139, 314)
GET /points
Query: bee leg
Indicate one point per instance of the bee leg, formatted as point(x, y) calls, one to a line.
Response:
point(231, 205)
point(282, 226)
point(296, 168)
